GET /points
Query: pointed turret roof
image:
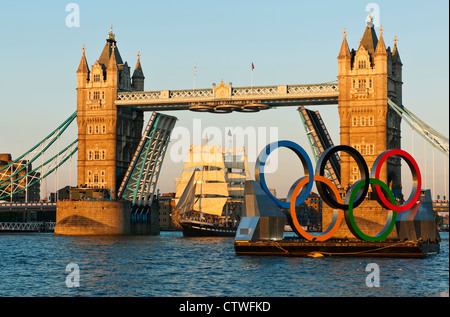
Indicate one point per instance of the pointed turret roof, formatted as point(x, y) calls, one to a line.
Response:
point(112, 63)
point(138, 73)
point(395, 53)
point(107, 51)
point(83, 67)
point(345, 51)
point(381, 48)
point(369, 39)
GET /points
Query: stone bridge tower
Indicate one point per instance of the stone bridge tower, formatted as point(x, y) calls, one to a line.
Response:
point(367, 78)
point(107, 135)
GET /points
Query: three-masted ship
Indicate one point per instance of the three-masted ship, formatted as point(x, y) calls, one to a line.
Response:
point(210, 193)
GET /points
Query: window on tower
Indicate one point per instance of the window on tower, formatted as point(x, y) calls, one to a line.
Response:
point(362, 83)
point(96, 77)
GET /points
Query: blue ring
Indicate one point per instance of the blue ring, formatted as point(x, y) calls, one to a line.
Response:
point(307, 166)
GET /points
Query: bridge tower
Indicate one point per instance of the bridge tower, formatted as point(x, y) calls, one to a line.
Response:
point(107, 135)
point(368, 77)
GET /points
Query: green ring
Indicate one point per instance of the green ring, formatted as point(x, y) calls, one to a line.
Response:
point(392, 215)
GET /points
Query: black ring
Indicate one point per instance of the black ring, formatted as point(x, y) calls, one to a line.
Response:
point(363, 170)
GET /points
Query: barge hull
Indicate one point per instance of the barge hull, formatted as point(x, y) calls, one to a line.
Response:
point(390, 249)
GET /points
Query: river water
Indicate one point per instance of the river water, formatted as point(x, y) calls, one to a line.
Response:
point(171, 265)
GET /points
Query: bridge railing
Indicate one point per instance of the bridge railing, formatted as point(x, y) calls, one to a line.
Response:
point(35, 226)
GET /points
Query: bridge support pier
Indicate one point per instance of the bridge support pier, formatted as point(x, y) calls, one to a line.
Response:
point(80, 218)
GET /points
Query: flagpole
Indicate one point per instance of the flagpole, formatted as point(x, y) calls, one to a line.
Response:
point(253, 66)
point(195, 73)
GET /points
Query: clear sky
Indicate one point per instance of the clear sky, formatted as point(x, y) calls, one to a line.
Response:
point(289, 42)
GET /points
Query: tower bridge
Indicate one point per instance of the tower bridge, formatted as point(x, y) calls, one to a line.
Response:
point(115, 156)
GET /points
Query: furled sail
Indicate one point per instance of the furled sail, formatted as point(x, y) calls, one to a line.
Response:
point(237, 172)
point(187, 199)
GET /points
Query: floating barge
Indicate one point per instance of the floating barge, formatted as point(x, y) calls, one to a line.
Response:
point(301, 248)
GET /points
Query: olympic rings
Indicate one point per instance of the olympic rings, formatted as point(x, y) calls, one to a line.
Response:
point(330, 195)
point(417, 180)
point(261, 162)
point(337, 214)
point(364, 173)
point(350, 220)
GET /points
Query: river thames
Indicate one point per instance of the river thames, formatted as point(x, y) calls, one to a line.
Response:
point(171, 265)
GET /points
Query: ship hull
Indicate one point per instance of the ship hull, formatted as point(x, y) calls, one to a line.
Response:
point(202, 229)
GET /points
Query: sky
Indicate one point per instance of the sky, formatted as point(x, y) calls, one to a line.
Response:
point(289, 42)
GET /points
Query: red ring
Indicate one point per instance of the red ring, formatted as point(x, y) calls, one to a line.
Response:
point(416, 174)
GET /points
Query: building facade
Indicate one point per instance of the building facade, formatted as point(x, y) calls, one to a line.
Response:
point(166, 209)
point(367, 78)
point(107, 135)
point(22, 176)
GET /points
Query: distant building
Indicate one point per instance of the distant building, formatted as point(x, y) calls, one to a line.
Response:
point(309, 213)
point(166, 208)
point(441, 208)
point(19, 170)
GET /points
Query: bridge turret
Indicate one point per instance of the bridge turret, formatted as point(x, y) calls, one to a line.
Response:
point(344, 58)
point(380, 56)
point(138, 76)
point(83, 70)
point(112, 69)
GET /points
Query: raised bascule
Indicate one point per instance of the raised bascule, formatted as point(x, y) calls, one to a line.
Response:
point(119, 165)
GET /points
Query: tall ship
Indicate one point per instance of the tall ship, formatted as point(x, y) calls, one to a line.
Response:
point(210, 193)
